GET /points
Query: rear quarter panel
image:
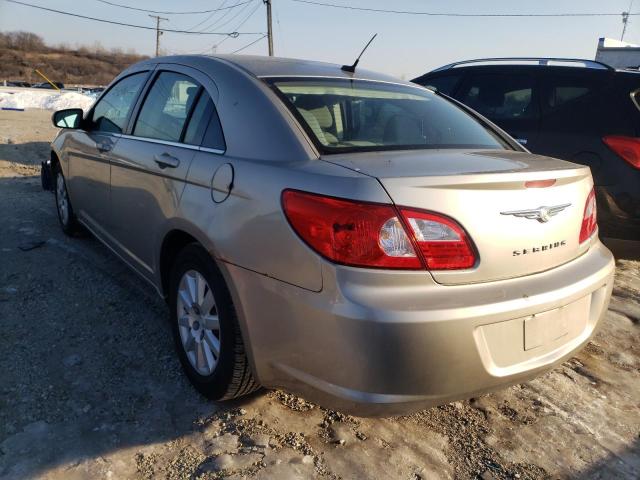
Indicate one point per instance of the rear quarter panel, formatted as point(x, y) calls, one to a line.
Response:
point(249, 228)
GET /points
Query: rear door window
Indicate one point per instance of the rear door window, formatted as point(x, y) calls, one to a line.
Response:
point(500, 97)
point(165, 109)
point(213, 136)
point(198, 121)
point(204, 126)
point(112, 110)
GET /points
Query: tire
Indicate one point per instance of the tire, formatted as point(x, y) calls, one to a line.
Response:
point(45, 176)
point(220, 375)
point(66, 215)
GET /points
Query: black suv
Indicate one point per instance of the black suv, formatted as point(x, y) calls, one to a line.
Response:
point(578, 110)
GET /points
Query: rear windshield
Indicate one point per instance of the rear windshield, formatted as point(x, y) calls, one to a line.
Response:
point(357, 115)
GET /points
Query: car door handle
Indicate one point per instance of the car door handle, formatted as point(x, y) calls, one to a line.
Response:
point(166, 160)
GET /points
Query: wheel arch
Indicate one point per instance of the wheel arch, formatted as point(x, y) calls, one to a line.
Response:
point(173, 242)
point(179, 233)
point(176, 239)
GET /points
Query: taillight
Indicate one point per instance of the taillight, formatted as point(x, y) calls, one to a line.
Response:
point(626, 147)
point(589, 220)
point(443, 243)
point(367, 234)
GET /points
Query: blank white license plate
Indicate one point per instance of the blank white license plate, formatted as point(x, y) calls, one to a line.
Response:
point(543, 328)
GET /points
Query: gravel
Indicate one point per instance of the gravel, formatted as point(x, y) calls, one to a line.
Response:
point(90, 386)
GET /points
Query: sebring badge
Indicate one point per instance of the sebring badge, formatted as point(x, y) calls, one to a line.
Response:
point(542, 214)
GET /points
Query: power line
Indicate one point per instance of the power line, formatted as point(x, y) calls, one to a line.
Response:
point(215, 46)
point(209, 17)
point(113, 4)
point(144, 27)
point(242, 22)
point(435, 14)
point(249, 44)
point(216, 23)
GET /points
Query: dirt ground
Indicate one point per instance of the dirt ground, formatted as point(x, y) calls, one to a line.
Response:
point(90, 386)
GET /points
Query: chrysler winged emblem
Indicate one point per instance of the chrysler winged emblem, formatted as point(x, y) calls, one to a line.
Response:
point(542, 214)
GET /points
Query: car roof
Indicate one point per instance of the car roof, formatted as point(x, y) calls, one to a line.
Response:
point(500, 68)
point(512, 66)
point(263, 66)
point(460, 70)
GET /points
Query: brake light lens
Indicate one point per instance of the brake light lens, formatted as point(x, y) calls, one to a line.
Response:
point(589, 220)
point(626, 147)
point(540, 183)
point(351, 233)
point(443, 243)
point(367, 234)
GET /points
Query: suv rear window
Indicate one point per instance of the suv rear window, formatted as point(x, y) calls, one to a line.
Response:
point(566, 91)
point(358, 115)
point(500, 97)
point(444, 83)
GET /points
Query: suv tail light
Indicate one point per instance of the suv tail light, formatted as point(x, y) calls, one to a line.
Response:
point(626, 147)
point(367, 234)
point(589, 220)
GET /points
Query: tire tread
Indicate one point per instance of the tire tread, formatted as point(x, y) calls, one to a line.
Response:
point(242, 382)
point(238, 379)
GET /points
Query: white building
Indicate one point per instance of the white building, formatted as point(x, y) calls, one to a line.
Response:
point(618, 54)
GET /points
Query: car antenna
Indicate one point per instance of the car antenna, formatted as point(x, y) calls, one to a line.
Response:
point(352, 68)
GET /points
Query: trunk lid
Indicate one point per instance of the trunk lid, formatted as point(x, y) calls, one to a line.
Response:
point(485, 192)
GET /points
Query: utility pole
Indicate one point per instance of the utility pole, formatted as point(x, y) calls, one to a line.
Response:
point(625, 20)
point(158, 32)
point(269, 27)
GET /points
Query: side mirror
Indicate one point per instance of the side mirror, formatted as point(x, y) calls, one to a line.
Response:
point(67, 118)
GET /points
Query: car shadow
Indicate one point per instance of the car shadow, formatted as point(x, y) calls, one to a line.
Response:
point(87, 362)
point(624, 464)
point(26, 154)
point(623, 249)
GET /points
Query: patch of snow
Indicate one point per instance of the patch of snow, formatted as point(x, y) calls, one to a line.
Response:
point(45, 100)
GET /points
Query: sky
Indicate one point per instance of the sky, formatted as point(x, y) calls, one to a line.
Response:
point(406, 46)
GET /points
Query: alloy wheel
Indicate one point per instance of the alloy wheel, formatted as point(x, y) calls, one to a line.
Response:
point(62, 200)
point(198, 322)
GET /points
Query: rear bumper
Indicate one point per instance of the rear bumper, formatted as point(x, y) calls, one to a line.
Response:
point(382, 343)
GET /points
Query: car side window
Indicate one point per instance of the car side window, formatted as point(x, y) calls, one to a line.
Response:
point(500, 97)
point(204, 125)
point(112, 110)
point(565, 90)
point(445, 84)
point(213, 136)
point(198, 121)
point(164, 112)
